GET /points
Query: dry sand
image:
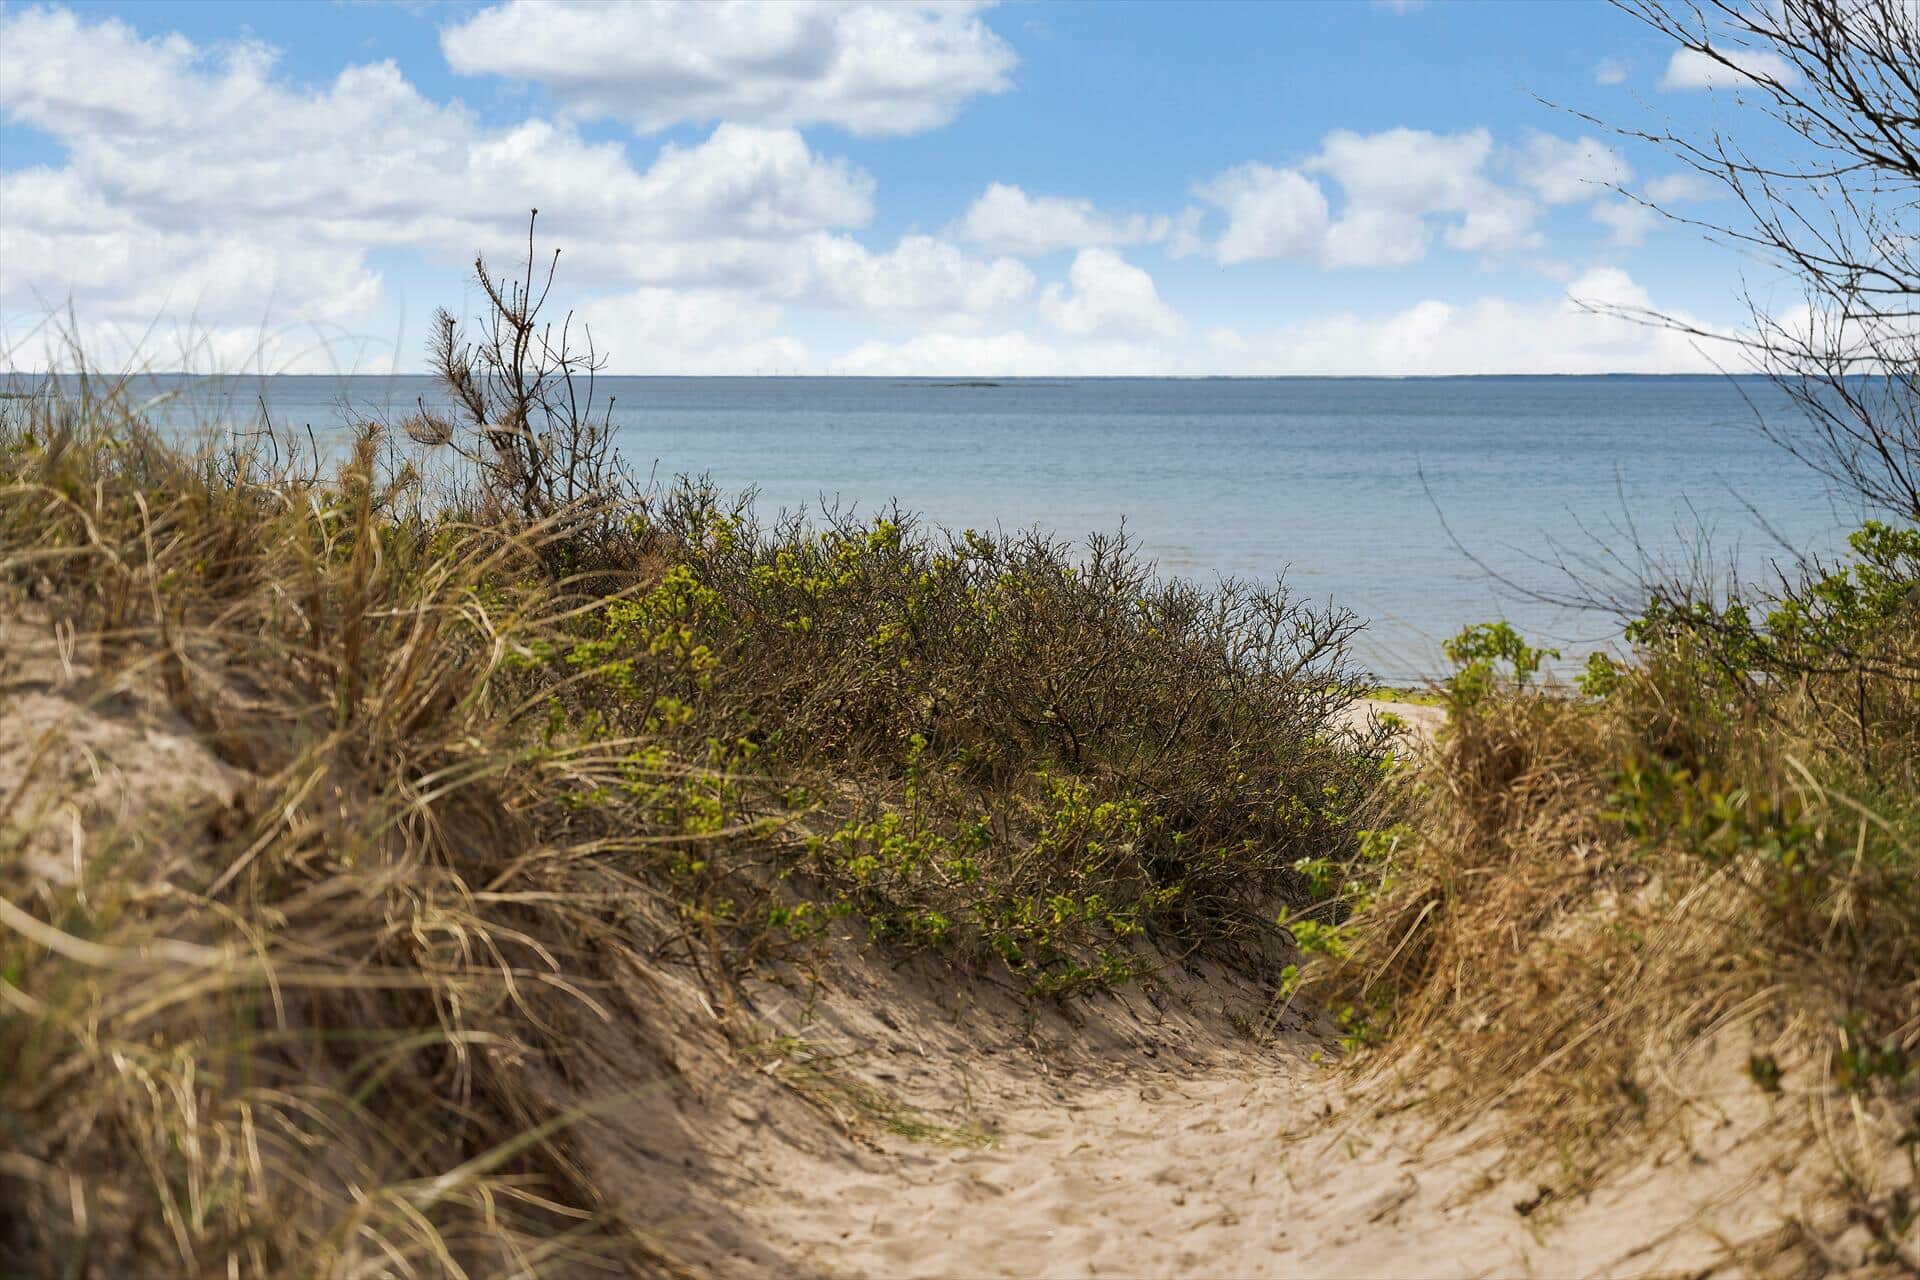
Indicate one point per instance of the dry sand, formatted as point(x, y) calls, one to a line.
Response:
point(1163, 1142)
point(1418, 721)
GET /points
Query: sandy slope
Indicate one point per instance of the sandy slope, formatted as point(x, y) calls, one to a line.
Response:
point(1213, 1175)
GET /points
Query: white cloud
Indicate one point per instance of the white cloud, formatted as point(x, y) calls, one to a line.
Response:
point(754, 181)
point(1109, 296)
point(1563, 170)
point(1369, 236)
point(1499, 221)
point(1271, 213)
point(1675, 187)
point(1559, 333)
point(282, 219)
point(1488, 335)
point(872, 68)
point(693, 332)
point(1185, 237)
point(194, 160)
point(182, 343)
point(203, 185)
point(1407, 168)
point(1627, 220)
point(1393, 185)
point(1005, 219)
point(1609, 71)
point(922, 275)
point(1394, 180)
point(1398, 176)
point(1692, 69)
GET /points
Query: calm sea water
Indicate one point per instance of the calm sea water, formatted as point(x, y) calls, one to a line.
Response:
point(1402, 499)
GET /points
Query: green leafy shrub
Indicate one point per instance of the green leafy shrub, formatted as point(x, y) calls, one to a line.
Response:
point(1034, 755)
point(1482, 651)
point(1601, 677)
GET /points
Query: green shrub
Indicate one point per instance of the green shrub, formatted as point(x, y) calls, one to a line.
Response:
point(1006, 749)
point(1480, 652)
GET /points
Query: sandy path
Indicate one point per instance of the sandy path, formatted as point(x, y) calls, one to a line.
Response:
point(1243, 1170)
point(1210, 1156)
point(1152, 1138)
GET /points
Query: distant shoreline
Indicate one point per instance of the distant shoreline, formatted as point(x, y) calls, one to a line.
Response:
point(958, 381)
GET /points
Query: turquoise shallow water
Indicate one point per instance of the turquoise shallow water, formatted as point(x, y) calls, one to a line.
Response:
point(1380, 494)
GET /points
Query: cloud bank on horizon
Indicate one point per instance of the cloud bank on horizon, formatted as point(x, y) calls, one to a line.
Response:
point(849, 187)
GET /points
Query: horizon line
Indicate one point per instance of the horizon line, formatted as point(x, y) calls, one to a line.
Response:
point(954, 379)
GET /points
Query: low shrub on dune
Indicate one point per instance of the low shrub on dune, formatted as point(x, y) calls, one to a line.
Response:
point(1702, 873)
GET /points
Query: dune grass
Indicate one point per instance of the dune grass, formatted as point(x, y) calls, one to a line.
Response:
point(482, 757)
point(1699, 874)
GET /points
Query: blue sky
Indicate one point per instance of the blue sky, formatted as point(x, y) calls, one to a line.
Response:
point(847, 188)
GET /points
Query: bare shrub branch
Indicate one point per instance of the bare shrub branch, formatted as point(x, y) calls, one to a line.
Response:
point(1827, 188)
point(524, 391)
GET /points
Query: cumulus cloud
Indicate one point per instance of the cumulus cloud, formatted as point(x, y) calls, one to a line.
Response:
point(1563, 170)
point(1692, 69)
point(921, 276)
point(206, 156)
point(1371, 236)
point(693, 332)
point(1271, 213)
point(1559, 333)
point(197, 182)
point(1609, 71)
point(184, 343)
point(1487, 335)
point(1399, 177)
point(1005, 219)
point(1628, 221)
point(872, 68)
point(754, 181)
point(1407, 168)
point(204, 183)
point(1393, 184)
point(1499, 221)
point(1109, 295)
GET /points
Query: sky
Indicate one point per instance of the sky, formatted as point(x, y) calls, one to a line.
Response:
point(942, 189)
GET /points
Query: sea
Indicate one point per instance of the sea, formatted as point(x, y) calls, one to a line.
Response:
point(1420, 504)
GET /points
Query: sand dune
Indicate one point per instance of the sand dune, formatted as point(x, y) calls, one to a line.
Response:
point(894, 1122)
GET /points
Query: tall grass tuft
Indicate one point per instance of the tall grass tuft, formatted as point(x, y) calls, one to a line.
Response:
point(282, 1029)
point(1698, 877)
